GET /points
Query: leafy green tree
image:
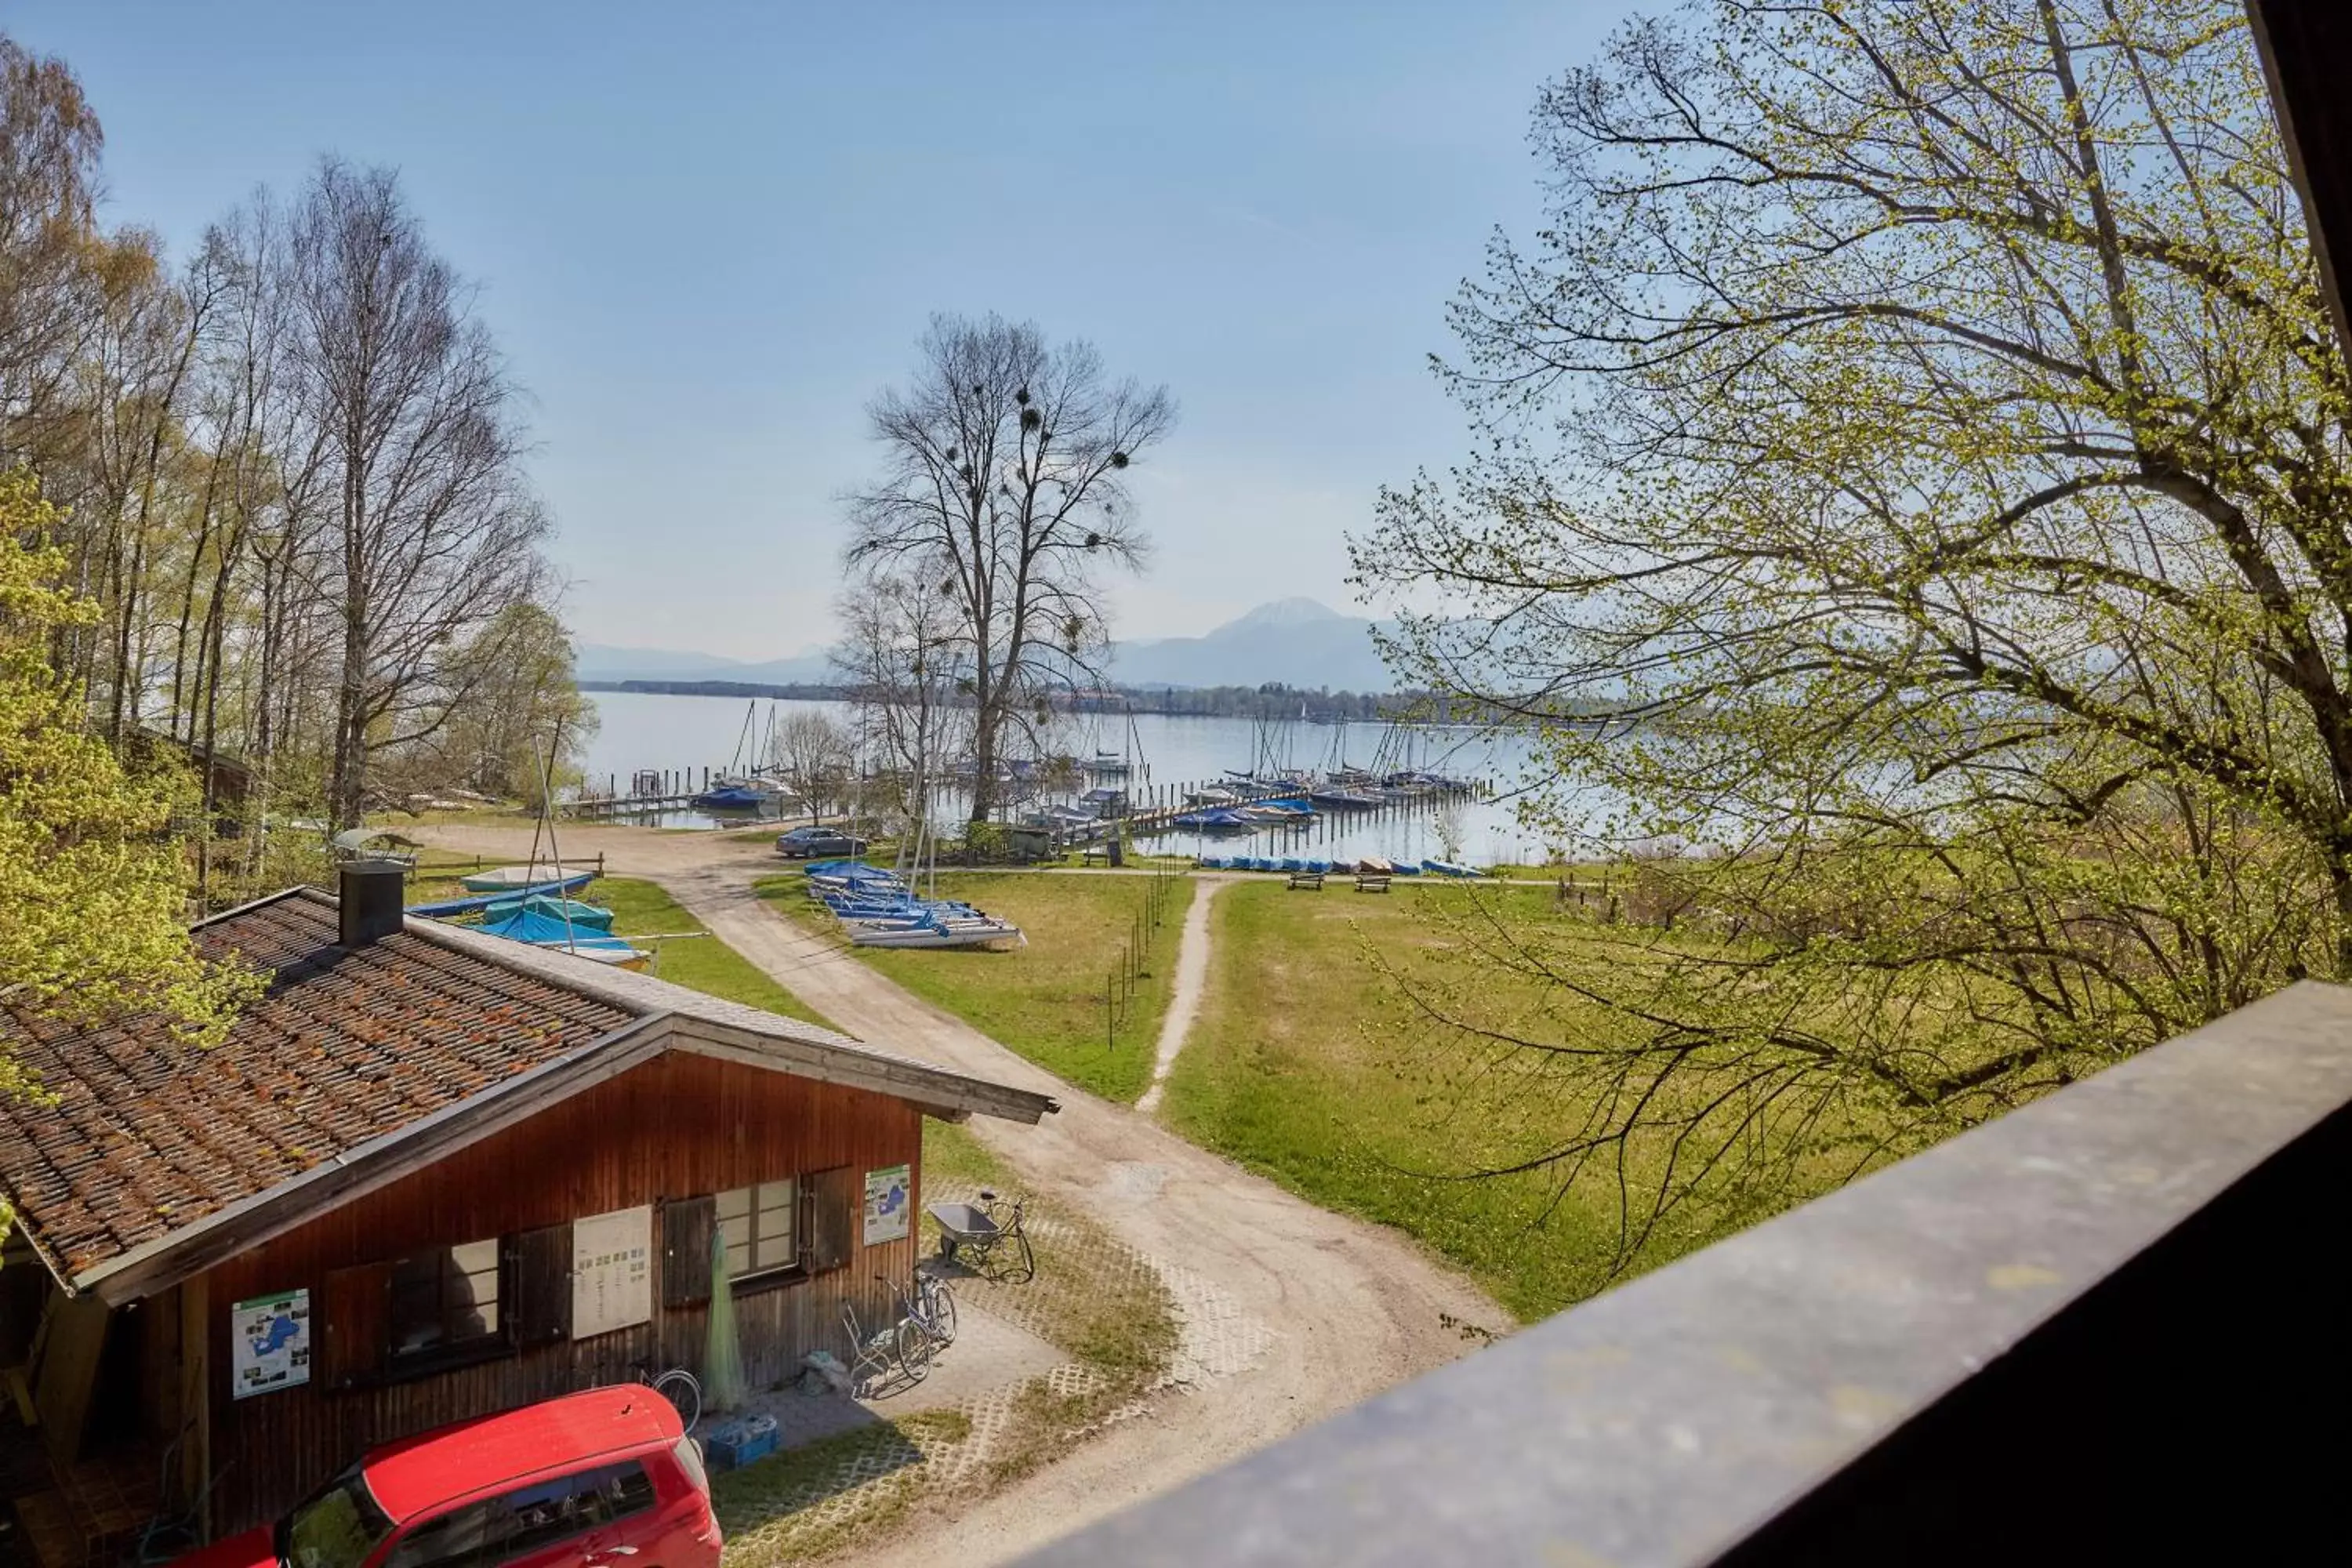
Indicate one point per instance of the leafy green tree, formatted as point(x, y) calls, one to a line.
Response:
point(91, 875)
point(519, 698)
point(1918, 438)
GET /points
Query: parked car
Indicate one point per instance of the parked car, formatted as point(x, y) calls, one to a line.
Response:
point(817, 843)
point(605, 1477)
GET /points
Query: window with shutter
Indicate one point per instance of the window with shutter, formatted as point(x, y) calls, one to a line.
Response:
point(539, 1302)
point(445, 1299)
point(357, 1327)
point(686, 1224)
point(761, 1225)
point(833, 1217)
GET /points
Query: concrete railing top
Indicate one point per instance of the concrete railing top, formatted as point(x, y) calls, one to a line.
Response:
point(1667, 1422)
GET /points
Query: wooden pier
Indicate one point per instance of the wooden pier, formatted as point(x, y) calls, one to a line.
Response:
point(651, 791)
point(1151, 809)
point(629, 806)
point(1163, 804)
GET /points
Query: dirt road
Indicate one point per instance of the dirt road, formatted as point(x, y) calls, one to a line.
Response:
point(1314, 1311)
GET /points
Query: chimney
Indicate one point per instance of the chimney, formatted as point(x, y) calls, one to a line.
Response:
point(373, 891)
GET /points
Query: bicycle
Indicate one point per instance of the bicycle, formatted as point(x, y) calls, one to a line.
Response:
point(905, 1343)
point(932, 1308)
point(684, 1392)
point(680, 1387)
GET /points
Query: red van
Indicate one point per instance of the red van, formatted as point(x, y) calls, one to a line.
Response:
point(601, 1480)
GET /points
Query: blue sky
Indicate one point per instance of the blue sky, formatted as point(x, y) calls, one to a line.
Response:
point(706, 234)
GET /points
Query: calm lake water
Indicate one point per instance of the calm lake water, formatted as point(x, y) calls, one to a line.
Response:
point(688, 734)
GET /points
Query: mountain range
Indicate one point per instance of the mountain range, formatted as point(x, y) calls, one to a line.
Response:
point(1297, 642)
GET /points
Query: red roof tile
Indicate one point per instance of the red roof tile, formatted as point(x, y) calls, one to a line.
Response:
point(148, 1135)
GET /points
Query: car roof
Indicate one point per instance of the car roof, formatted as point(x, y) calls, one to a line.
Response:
point(419, 1474)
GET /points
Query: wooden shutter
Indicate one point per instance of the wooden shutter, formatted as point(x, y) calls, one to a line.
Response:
point(357, 1325)
point(686, 1227)
point(539, 1289)
point(833, 1217)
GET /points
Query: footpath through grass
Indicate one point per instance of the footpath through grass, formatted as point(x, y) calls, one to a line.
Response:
point(1045, 1000)
point(1308, 1066)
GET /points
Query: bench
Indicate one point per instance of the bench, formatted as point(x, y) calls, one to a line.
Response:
point(1372, 882)
point(1306, 881)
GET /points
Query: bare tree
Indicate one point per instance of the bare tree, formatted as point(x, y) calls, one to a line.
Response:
point(1003, 465)
point(437, 531)
point(900, 657)
point(811, 752)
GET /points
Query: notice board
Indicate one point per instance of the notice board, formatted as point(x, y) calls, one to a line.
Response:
point(270, 1344)
point(612, 1271)
point(889, 1200)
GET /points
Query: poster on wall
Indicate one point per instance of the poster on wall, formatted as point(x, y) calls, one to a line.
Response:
point(270, 1344)
point(612, 1271)
point(889, 1198)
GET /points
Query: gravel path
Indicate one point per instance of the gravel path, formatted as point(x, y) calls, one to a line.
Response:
point(1298, 1312)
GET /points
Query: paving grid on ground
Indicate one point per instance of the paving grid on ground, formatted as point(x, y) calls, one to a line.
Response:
point(945, 1449)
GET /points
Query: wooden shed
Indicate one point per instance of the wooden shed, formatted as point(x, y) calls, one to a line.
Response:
point(431, 1174)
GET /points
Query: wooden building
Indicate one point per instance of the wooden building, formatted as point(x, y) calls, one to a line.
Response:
point(431, 1174)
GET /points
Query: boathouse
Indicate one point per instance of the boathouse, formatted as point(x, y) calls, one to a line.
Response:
point(429, 1176)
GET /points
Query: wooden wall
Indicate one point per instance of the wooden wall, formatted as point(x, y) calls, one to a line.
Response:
point(678, 1127)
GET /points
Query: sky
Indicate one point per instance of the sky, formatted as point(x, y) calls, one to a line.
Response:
point(705, 236)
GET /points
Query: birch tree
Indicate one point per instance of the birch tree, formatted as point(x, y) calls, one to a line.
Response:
point(435, 530)
point(1917, 436)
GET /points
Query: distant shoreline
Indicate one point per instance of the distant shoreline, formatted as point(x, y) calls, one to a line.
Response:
point(1273, 702)
point(1179, 702)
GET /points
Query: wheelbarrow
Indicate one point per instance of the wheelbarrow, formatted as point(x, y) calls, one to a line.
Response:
point(971, 1234)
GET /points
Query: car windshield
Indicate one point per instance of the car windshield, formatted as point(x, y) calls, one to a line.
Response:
point(338, 1528)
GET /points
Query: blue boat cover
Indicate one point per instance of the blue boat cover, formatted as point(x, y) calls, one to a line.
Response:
point(539, 930)
point(589, 917)
point(475, 903)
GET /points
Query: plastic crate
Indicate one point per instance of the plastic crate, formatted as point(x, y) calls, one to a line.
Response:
point(737, 1443)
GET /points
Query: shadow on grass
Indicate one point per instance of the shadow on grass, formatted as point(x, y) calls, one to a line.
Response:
point(797, 1505)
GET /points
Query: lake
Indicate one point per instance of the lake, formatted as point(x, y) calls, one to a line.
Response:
point(689, 734)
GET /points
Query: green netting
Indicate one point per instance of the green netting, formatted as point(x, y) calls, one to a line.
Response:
point(722, 1357)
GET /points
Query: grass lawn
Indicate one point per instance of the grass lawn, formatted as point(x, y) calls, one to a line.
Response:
point(640, 908)
point(703, 963)
point(1045, 1000)
point(1308, 1066)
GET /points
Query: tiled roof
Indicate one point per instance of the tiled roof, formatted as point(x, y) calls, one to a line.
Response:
point(148, 1135)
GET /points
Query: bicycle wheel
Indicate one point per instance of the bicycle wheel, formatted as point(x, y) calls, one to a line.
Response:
point(940, 1302)
point(685, 1394)
point(913, 1347)
point(1028, 1265)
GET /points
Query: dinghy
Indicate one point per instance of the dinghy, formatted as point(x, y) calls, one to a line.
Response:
point(520, 879)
